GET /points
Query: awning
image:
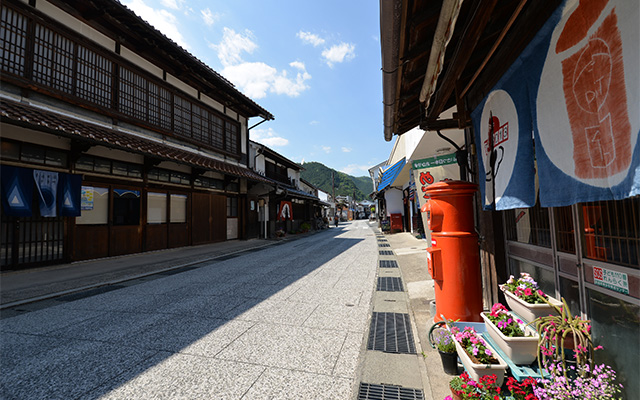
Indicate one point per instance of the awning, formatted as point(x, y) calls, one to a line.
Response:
point(390, 174)
point(43, 120)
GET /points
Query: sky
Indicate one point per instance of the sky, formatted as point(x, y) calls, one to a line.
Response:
point(314, 65)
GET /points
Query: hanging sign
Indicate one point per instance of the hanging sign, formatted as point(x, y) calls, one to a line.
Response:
point(17, 191)
point(86, 199)
point(430, 170)
point(70, 195)
point(47, 185)
point(286, 211)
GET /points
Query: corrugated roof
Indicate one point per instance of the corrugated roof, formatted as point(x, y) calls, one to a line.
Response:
point(390, 174)
point(35, 118)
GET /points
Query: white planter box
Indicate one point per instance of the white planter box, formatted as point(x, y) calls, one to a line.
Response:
point(477, 370)
point(521, 350)
point(529, 312)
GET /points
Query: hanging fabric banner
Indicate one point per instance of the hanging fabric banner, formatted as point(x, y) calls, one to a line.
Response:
point(503, 134)
point(47, 185)
point(17, 191)
point(69, 198)
point(286, 211)
point(586, 93)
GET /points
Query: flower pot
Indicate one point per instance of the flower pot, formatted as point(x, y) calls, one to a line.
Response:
point(449, 362)
point(529, 312)
point(454, 395)
point(521, 350)
point(477, 370)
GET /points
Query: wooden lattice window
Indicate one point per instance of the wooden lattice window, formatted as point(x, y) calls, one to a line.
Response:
point(200, 125)
point(160, 106)
point(13, 42)
point(53, 59)
point(181, 116)
point(93, 77)
point(132, 99)
point(231, 133)
point(217, 132)
point(529, 225)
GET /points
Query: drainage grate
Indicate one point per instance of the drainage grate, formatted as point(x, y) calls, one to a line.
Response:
point(88, 293)
point(388, 264)
point(383, 245)
point(386, 252)
point(390, 284)
point(388, 392)
point(391, 333)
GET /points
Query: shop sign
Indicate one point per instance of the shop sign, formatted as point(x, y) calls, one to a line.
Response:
point(86, 199)
point(609, 279)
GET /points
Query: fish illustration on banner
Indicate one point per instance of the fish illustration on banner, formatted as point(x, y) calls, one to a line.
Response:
point(588, 118)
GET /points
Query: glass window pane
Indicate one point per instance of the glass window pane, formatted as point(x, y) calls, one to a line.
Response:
point(178, 208)
point(135, 171)
point(94, 206)
point(564, 229)
point(615, 327)
point(544, 277)
point(103, 166)
point(120, 168)
point(156, 208)
point(33, 154)
point(10, 151)
point(570, 290)
point(56, 157)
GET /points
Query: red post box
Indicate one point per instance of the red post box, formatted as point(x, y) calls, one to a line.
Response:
point(396, 221)
point(453, 259)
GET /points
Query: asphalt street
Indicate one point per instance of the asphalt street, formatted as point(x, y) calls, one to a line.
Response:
point(285, 321)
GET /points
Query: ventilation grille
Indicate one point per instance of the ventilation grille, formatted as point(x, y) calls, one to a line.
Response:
point(388, 392)
point(388, 264)
point(386, 252)
point(391, 333)
point(390, 284)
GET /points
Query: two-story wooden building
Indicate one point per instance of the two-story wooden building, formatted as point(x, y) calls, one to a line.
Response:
point(115, 140)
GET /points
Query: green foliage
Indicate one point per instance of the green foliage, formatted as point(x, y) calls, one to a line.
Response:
point(319, 175)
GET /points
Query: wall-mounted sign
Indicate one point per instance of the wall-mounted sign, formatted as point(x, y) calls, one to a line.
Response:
point(86, 198)
point(609, 279)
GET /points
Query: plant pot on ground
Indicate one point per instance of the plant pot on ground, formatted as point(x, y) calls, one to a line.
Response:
point(478, 357)
point(517, 341)
point(441, 339)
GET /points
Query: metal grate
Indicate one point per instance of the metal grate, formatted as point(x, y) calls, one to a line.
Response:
point(390, 284)
point(386, 252)
point(391, 333)
point(383, 245)
point(388, 392)
point(388, 264)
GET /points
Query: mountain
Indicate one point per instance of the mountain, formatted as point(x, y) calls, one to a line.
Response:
point(319, 175)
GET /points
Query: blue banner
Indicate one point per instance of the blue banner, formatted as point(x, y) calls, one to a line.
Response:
point(17, 191)
point(47, 185)
point(69, 198)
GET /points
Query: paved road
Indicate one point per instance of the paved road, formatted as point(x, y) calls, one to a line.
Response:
point(284, 322)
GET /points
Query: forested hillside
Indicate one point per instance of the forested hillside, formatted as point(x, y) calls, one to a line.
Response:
point(346, 185)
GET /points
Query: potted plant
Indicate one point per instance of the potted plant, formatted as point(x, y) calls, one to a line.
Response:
point(476, 355)
point(463, 387)
point(526, 299)
point(564, 331)
point(522, 390)
point(517, 340)
point(588, 383)
point(442, 340)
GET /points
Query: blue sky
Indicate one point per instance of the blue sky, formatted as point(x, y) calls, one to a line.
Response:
point(315, 65)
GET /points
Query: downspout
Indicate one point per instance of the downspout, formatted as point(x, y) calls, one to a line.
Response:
point(390, 21)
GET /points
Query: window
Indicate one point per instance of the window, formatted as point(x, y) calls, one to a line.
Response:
point(231, 132)
point(156, 208)
point(93, 74)
point(545, 277)
point(126, 207)
point(101, 165)
point(564, 229)
point(232, 207)
point(133, 94)
point(612, 231)
point(13, 42)
point(53, 59)
point(209, 183)
point(32, 153)
point(94, 206)
point(178, 208)
point(529, 225)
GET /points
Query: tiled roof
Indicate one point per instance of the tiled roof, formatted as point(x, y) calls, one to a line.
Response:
point(43, 120)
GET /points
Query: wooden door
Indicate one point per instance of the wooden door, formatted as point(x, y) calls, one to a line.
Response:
point(219, 217)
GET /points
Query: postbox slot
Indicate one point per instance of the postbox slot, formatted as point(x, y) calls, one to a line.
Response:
point(434, 263)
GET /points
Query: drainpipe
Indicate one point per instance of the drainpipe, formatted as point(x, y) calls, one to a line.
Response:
point(390, 20)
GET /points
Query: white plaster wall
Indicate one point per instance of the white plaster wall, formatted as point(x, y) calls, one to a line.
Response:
point(393, 198)
point(140, 62)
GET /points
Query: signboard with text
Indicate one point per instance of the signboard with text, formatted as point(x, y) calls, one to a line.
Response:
point(609, 279)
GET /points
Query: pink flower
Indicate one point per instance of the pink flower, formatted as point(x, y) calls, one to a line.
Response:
point(528, 292)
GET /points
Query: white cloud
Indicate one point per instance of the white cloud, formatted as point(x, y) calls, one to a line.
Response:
point(346, 150)
point(339, 53)
point(356, 170)
point(256, 79)
point(173, 4)
point(209, 17)
point(162, 20)
point(268, 137)
point(314, 122)
point(232, 45)
point(310, 38)
point(326, 149)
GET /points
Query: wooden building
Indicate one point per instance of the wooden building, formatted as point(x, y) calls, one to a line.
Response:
point(131, 142)
point(548, 94)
